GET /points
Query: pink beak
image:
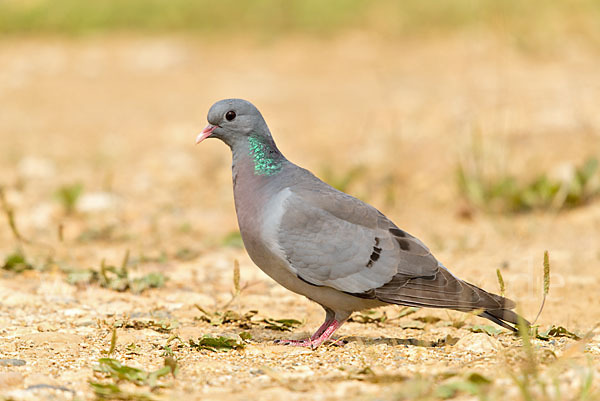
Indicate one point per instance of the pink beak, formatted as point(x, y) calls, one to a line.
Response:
point(205, 133)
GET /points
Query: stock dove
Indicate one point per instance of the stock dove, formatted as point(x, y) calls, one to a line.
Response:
point(326, 245)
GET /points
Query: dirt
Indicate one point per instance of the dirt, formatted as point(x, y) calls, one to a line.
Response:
point(120, 114)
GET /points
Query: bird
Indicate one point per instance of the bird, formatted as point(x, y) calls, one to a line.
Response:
point(326, 245)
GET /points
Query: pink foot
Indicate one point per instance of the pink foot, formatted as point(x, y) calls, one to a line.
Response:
point(322, 334)
point(295, 343)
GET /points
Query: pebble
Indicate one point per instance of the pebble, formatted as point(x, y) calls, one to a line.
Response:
point(44, 386)
point(74, 312)
point(96, 202)
point(83, 322)
point(36, 167)
point(45, 326)
point(479, 343)
point(12, 362)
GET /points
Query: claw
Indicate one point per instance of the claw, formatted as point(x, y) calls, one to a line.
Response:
point(295, 343)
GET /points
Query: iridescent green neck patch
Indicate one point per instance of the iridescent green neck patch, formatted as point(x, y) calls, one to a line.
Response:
point(264, 156)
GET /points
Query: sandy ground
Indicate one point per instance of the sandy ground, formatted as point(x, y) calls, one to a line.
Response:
point(119, 116)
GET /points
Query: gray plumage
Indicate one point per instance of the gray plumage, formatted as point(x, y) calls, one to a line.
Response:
point(326, 245)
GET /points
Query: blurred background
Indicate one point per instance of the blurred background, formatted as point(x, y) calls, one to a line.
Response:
point(472, 124)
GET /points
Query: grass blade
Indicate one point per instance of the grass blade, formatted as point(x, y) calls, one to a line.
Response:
point(546, 284)
point(501, 282)
point(10, 216)
point(113, 343)
point(236, 277)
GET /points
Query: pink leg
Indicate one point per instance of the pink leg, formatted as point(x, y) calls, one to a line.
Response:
point(321, 329)
point(322, 334)
point(327, 333)
point(307, 342)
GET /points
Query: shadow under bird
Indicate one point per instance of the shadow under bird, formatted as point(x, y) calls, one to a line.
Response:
point(327, 245)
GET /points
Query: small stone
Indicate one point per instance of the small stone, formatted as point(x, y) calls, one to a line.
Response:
point(35, 167)
point(74, 312)
point(12, 362)
point(45, 386)
point(45, 326)
point(83, 322)
point(96, 202)
point(479, 343)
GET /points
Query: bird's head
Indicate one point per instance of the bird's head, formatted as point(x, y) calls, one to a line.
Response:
point(231, 120)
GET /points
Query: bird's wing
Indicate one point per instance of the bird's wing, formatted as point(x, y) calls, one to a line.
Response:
point(332, 239)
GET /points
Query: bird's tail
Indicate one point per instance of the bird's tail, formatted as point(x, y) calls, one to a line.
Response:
point(444, 290)
point(503, 317)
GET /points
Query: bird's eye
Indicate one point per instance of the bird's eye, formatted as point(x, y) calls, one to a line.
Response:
point(230, 115)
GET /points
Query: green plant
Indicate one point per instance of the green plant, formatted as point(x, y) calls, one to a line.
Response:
point(220, 343)
point(528, 22)
point(112, 391)
point(501, 192)
point(68, 195)
point(546, 283)
point(227, 316)
point(161, 325)
point(116, 278)
point(233, 240)
point(120, 372)
point(17, 262)
point(281, 324)
point(486, 328)
point(10, 216)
